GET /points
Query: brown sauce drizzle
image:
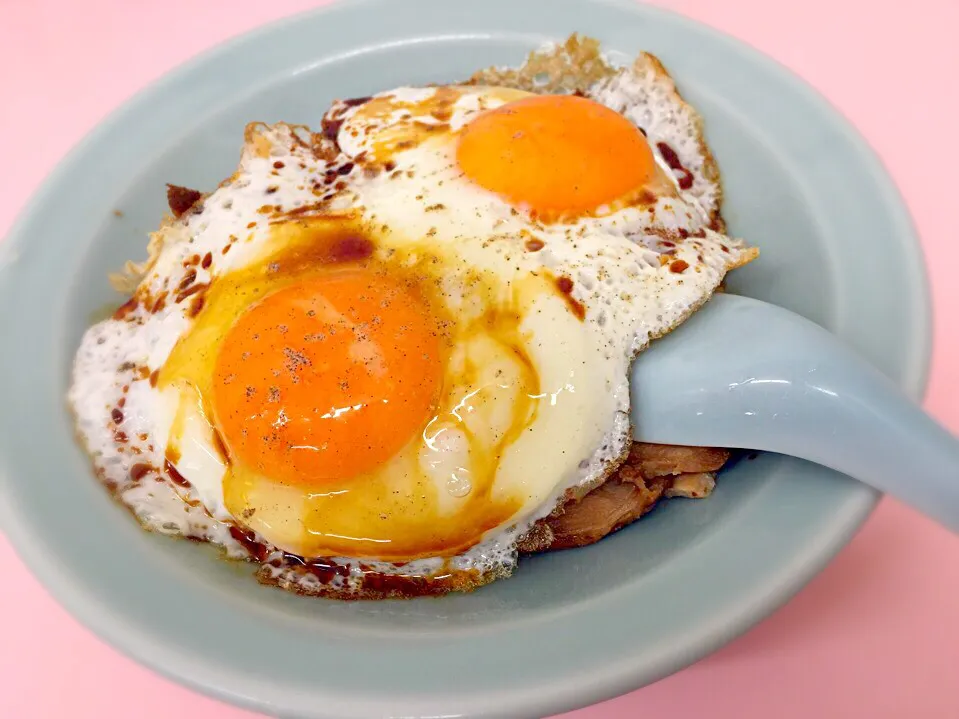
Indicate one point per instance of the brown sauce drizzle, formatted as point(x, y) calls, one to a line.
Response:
point(187, 280)
point(324, 570)
point(191, 290)
point(175, 476)
point(675, 164)
point(357, 101)
point(565, 286)
point(301, 211)
point(139, 470)
point(181, 199)
point(409, 585)
point(196, 306)
point(330, 127)
point(248, 541)
point(350, 248)
point(336, 247)
point(126, 308)
point(159, 303)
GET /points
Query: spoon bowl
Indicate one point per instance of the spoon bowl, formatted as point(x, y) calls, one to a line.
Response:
point(747, 374)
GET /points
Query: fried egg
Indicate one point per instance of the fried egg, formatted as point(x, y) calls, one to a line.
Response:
point(386, 349)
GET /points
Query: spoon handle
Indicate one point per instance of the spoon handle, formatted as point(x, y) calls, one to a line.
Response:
point(745, 374)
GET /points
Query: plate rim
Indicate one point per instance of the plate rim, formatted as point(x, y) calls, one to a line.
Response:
point(915, 377)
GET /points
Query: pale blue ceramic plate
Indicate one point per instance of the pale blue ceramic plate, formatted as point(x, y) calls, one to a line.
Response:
point(571, 628)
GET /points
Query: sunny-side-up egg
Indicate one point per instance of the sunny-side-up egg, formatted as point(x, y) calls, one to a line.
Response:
point(385, 350)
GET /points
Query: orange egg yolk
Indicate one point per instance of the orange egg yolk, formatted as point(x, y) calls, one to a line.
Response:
point(327, 379)
point(555, 155)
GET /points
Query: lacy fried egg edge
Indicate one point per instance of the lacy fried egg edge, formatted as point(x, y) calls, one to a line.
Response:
point(340, 577)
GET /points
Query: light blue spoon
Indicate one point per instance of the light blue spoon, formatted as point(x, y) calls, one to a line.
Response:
point(745, 374)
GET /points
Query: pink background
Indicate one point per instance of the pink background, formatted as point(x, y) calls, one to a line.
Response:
point(875, 635)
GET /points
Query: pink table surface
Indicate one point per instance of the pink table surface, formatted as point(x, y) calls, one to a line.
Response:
point(875, 635)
